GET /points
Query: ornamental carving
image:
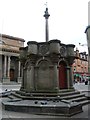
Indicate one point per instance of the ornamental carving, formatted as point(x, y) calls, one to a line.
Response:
point(63, 51)
point(43, 49)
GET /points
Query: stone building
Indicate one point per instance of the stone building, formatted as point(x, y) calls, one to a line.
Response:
point(80, 66)
point(47, 66)
point(10, 69)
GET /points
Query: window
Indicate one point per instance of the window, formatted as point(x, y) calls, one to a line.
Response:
point(74, 68)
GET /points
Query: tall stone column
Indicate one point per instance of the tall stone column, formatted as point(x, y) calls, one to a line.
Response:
point(6, 78)
point(71, 77)
point(19, 64)
point(46, 15)
point(22, 58)
point(5, 65)
point(22, 74)
point(19, 72)
point(68, 77)
point(56, 76)
point(8, 75)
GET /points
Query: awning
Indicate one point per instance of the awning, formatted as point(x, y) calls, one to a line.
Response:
point(77, 75)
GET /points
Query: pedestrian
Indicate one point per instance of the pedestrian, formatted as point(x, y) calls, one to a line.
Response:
point(86, 82)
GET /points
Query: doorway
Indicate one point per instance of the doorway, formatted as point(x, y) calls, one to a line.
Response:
point(62, 75)
point(12, 74)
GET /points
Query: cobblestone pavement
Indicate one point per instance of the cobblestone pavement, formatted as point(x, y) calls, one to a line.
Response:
point(9, 115)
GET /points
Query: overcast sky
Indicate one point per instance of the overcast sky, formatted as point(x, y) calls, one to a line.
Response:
point(24, 18)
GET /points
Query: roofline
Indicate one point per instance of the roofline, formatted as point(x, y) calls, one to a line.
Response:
point(9, 50)
point(12, 37)
point(87, 28)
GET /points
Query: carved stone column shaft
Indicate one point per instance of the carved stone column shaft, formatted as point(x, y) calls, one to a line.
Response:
point(56, 76)
point(68, 77)
point(8, 66)
point(30, 79)
point(5, 64)
point(71, 77)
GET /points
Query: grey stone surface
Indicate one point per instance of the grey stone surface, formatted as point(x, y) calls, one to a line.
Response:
point(11, 115)
point(41, 66)
point(63, 108)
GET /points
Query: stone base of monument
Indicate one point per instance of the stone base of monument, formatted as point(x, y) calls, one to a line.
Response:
point(45, 107)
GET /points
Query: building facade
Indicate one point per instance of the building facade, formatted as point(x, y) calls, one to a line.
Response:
point(80, 66)
point(10, 69)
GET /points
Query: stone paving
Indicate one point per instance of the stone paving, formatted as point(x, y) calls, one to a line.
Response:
point(82, 87)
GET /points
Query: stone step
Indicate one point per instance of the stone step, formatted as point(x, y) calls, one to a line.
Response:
point(48, 94)
point(69, 93)
point(32, 97)
point(36, 93)
point(54, 94)
point(12, 97)
point(85, 102)
point(42, 97)
point(78, 99)
point(17, 95)
point(66, 90)
point(72, 96)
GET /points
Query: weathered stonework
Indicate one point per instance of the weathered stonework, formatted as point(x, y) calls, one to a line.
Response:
point(46, 66)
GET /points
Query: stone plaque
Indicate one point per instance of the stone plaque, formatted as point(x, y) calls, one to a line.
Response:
point(43, 49)
point(44, 81)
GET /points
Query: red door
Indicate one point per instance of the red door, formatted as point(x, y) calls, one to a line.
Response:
point(62, 76)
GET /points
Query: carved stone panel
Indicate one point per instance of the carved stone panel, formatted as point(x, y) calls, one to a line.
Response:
point(43, 49)
point(44, 76)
